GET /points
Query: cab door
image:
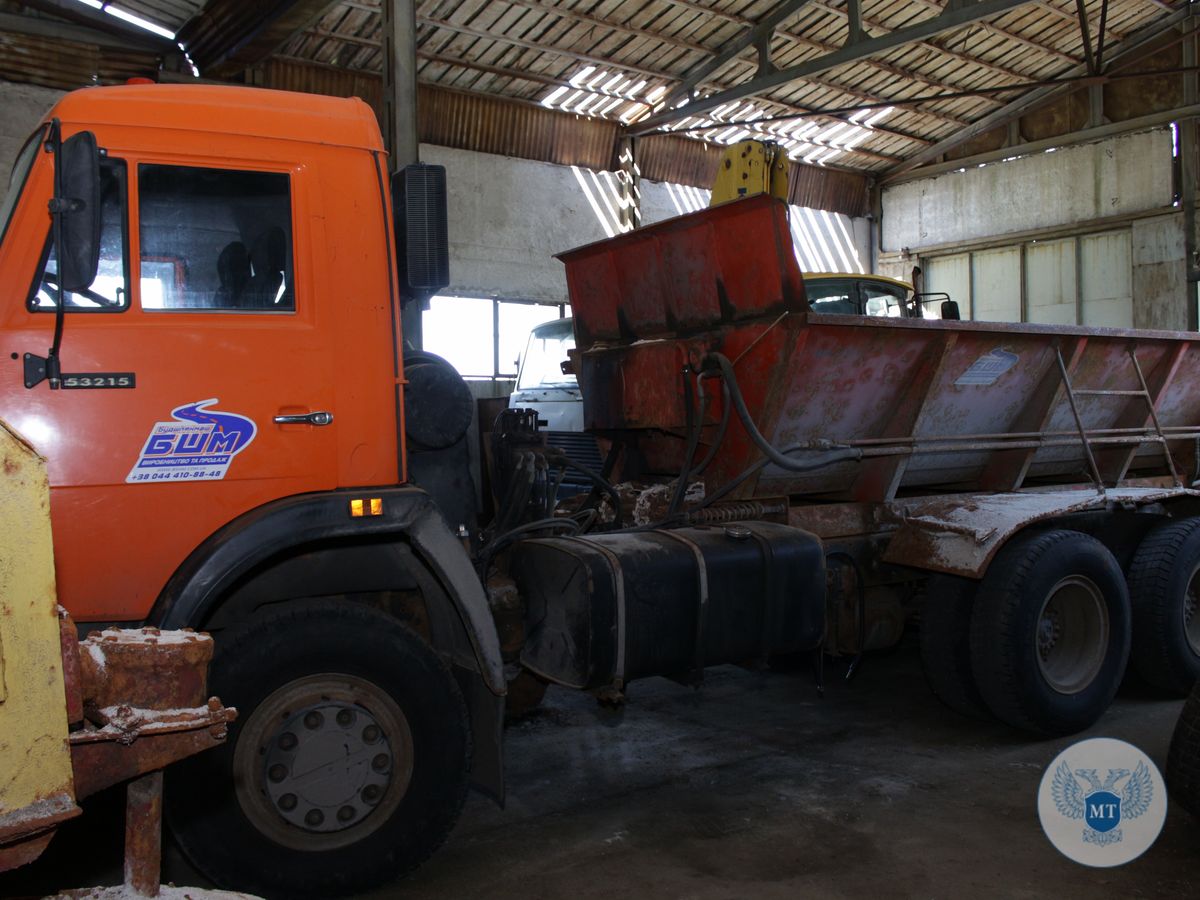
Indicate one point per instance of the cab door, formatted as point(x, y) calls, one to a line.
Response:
point(196, 383)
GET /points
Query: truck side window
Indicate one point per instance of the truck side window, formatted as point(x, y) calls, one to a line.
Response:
point(215, 239)
point(884, 300)
point(109, 292)
point(832, 295)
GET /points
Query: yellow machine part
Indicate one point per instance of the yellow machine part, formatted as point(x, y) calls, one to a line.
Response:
point(36, 786)
point(748, 168)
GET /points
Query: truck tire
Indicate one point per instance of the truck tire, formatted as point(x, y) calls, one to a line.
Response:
point(1183, 759)
point(946, 644)
point(1050, 632)
point(1164, 588)
point(339, 689)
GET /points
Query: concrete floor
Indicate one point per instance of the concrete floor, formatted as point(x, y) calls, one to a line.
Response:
point(753, 786)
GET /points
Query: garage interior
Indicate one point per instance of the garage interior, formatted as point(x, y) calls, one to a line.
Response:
point(1035, 162)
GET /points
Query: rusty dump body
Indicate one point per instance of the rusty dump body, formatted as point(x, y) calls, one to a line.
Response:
point(930, 418)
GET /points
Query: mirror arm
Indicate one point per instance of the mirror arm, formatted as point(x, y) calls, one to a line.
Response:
point(57, 208)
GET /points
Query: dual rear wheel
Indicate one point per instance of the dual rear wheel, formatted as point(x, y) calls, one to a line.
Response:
point(1043, 640)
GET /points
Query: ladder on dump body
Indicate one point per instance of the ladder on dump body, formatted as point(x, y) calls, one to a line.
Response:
point(1144, 394)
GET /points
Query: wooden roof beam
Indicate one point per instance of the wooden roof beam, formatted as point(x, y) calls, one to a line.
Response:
point(229, 36)
point(692, 46)
point(638, 70)
point(929, 45)
point(824, 47)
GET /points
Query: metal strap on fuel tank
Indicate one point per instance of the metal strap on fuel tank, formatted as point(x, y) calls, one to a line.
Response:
point(614, 563)
point(702, 588)
point(768, 569)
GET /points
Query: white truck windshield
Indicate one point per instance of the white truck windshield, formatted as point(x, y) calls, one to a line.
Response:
point(544, 355)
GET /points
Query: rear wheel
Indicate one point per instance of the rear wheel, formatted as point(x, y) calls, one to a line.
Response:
point(946, 644)
point(1050, 632)
point(1164, 587)
point(347, 765)
point(1183, 759)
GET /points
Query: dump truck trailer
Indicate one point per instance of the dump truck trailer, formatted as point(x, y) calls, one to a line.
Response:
point(237, 440)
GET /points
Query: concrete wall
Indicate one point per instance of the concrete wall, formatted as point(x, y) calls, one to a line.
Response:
point(1125, 182)
point(508, 217)
point(1121, 175)
point(23, 106)
point(1161, 293)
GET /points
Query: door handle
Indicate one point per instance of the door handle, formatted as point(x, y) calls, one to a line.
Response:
point(312, 418)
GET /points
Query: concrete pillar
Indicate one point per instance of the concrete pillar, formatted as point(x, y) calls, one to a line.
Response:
point(400, 135)
point(1189, 157)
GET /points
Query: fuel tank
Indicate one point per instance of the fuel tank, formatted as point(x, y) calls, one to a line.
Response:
point(606, 609)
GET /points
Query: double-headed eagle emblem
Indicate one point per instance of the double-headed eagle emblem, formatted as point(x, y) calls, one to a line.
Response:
point(1099, 804)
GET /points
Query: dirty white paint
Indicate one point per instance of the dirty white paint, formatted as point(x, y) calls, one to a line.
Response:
point(1050, 282)
point(1126, 174)
point(996, 277)
point(1105, 277)
point(1159, 286)
point(951, 274)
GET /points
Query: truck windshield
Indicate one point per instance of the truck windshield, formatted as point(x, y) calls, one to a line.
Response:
point(544, 355)
point(16, 181)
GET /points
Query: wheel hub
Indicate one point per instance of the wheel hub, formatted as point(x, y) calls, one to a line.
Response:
point(328, 767)
point(1049, 631)
point(323, 761)
point(1072, 634)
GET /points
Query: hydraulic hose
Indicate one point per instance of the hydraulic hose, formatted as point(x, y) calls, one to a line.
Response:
point(835, 453)
point(693, 441)
point(488, 552)
point(721, 428)
point(597, 479)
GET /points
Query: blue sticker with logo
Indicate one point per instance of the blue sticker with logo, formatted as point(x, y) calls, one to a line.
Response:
point(1102, 802)
point(988, 368)
point(198, 445)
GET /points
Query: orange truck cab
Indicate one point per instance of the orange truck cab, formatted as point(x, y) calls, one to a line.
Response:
point(223, 424)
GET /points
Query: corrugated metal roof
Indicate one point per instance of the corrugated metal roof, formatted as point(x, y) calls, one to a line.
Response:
point(607, 63)
point(607, 59)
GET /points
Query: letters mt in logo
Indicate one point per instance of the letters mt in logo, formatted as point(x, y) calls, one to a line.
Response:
point(198, 445)
point(1099, 807)
point(1100, 819)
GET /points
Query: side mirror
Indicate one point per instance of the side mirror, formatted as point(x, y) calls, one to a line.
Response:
point(422, 244)
point(77, 204)
point(950, 310)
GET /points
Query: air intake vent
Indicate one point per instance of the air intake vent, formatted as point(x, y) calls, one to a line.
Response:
point(422, 247)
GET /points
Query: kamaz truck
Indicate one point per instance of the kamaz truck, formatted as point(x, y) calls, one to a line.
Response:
point(201, 326)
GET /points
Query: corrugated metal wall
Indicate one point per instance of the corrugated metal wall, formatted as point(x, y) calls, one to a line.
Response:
point(1084, 280)
point(65, 65)
point(490, 124)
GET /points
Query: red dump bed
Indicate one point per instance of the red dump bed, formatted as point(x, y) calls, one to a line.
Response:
point(959, 405)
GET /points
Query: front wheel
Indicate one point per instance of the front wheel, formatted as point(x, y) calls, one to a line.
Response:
point(1050, 632)
point(348, 763)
